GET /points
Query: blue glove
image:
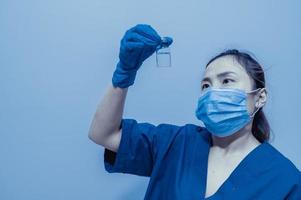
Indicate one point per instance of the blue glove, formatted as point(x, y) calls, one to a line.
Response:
point(137, 45)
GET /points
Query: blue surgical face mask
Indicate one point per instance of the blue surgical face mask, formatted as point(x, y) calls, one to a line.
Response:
point(224, 111)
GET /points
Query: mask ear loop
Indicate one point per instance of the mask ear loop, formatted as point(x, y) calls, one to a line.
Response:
point(258, 107)
point(254, 112)
point(254, 90)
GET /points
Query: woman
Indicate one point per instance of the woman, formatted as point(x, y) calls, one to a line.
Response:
point(229, 158)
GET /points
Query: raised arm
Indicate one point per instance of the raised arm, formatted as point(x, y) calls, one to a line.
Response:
point(104, 129)
point(137, 44)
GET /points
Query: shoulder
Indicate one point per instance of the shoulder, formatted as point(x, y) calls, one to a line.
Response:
point(184, 134)
point(164, 135)
point(187, 129)
point(283, 165)
point(194, 133)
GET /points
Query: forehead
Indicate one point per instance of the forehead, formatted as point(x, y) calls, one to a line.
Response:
point(223, 64)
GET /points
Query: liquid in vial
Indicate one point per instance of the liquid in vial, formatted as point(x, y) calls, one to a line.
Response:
point(163, 55)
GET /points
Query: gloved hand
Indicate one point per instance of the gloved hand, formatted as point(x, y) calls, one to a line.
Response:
point(137, 45)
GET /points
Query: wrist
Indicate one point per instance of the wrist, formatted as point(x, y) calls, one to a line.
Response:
point(123, 78)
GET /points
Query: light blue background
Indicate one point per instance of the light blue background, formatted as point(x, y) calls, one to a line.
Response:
point(57, 59)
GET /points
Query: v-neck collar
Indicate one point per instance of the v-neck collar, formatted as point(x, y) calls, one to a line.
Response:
point(241, 167)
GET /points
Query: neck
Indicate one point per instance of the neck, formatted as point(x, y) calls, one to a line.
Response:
point(237, 142)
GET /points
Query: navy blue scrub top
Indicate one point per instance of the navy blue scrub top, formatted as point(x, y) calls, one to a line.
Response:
point(175, 158)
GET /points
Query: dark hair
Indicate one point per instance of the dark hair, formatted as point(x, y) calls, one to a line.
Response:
point(260, 126)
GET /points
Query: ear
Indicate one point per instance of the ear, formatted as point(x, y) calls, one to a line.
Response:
point(261, 98)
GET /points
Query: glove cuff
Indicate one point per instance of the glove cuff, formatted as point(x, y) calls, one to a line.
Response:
point(123, 78)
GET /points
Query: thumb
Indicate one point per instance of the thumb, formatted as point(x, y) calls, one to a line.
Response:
point(166, 41)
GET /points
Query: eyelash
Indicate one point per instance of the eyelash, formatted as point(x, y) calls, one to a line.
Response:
point(206, 84)
point(228, 79)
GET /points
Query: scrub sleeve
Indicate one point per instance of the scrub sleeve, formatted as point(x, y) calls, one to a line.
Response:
point(138, 147)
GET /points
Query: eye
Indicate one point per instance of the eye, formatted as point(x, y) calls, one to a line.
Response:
point(227, 80)
point(205, 85)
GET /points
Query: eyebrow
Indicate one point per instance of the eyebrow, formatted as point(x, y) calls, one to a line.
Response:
point(223, 74)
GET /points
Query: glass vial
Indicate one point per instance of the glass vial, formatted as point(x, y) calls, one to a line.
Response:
point(163, 55)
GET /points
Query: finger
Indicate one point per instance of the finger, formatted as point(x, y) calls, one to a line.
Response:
point(134, 45)
point(135, 37)
point(147, 31)
point(130, 45)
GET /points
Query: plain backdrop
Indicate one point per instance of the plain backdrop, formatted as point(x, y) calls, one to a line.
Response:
point(57, 59)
